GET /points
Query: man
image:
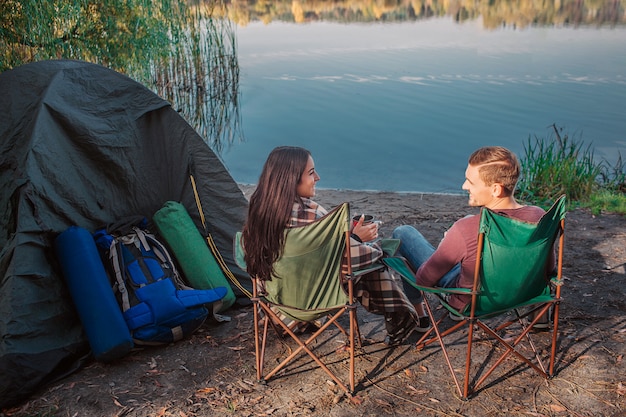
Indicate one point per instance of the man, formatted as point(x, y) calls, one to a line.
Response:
point(490, 179)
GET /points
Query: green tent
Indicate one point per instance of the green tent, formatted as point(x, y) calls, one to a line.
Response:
point(84, 145)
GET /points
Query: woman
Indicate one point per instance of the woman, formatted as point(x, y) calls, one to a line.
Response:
point(281, 200)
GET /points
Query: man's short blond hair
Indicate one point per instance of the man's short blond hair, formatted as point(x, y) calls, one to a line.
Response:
point(497, 165)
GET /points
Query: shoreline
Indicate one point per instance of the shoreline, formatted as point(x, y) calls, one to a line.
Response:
point(432, 214)
point(350, 190)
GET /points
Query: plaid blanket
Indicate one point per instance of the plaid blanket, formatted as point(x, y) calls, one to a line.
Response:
point(379, 291)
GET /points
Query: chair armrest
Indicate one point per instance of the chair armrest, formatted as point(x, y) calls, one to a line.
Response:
point(238, 253)
point(374, 267)
point(401, 266)
point(555, 281)
point(389, 246)
point(442, 290)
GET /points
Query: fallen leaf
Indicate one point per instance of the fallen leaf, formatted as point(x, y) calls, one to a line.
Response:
point(408, 372)
point(342, 348)
point(383, 402)
point(236, 348)
point(423, 368)
point(205, 390)
point(619, 359)
point(621, 390)
point(356, 400)
point(434, 400)
point(417, 391)
point(557, 408)
point(230, 339)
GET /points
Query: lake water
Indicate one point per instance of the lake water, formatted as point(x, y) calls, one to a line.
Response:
point(400, 106)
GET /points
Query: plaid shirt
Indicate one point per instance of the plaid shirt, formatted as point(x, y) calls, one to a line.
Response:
point(379, 291)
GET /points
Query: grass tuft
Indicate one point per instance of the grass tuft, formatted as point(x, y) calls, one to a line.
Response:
point(561, 165)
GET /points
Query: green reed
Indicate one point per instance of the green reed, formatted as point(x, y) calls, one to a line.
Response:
point(562, 165)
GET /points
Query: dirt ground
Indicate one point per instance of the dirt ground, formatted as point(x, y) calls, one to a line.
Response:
point(213, 372)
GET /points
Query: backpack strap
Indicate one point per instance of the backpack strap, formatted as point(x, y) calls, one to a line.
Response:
point(161, 301)
point(148, 240)
point(117, 260)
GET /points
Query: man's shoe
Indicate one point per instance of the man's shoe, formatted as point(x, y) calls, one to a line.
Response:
point(392, 341)
point(455, 317)
point(542, 324)
point(399, 327)
point(423, 325)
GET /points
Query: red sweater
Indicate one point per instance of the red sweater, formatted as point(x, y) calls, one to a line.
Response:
point(459, 244)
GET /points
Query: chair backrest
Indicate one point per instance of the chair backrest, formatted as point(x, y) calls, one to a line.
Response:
point(307, 278)
point(513, 259)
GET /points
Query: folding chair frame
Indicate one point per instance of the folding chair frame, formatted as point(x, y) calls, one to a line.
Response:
point(263, 309)
point(261, 305)
point(472, 320)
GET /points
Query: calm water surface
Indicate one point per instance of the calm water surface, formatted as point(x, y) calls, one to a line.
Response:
point(400, 106)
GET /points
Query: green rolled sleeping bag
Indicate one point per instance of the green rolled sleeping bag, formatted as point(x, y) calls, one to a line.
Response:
point(190, 248)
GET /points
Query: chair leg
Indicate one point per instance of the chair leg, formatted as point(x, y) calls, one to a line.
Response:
point(354, 332)
point(468, 360)
point(257, 343)
point(510, 348)
point(439, 336)
point(555, 332)
point(543, 311)
point(303, 345)
point(358, 339)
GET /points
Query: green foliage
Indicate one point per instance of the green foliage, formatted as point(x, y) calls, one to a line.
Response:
point(492, 14)
point(555, 166)
point(201, 75)
point(114, 33)
point(177, 48)
point(606, 201)
point(613, 177)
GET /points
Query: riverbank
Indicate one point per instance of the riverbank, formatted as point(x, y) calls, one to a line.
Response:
point(213, 372)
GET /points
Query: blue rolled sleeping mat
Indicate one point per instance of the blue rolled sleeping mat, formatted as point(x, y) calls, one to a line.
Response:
point(92, 294)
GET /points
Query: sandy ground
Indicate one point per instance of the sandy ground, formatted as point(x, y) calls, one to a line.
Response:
point(213, 372)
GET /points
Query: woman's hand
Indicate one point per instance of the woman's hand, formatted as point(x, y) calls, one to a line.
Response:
point(365, 232)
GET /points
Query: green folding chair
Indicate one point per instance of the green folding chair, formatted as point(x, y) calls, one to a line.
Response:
point(510, 280)
point(307, 286)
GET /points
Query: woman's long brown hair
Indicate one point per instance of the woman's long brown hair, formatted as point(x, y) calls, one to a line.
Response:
point(270, 208)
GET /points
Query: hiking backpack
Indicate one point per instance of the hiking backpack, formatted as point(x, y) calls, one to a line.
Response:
point(156, 304)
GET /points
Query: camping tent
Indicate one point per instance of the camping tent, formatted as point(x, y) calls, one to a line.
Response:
point(84, 145)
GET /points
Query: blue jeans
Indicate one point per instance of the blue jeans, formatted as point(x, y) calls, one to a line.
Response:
point(416, 249)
